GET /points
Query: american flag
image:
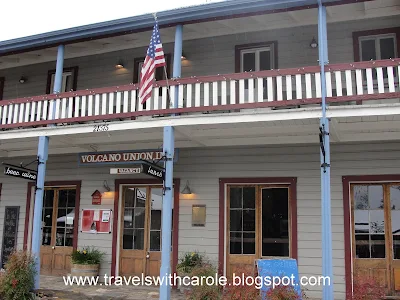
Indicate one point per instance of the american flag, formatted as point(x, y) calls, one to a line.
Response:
point(154, 59)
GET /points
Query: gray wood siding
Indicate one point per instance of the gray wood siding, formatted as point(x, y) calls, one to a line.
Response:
point(205, 56)
point(204, 167)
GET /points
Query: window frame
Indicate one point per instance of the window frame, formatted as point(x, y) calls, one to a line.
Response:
point(248, 48)
point(137, 61)
point(74, 74)
point(358, 36)
point(2, 79)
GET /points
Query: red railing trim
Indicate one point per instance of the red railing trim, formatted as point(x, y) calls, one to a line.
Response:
point(213, 78)
point(281, 103)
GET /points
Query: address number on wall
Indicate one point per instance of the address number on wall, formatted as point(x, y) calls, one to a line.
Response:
point(98, 128)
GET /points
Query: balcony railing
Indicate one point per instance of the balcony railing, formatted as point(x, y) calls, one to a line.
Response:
point(359, 81)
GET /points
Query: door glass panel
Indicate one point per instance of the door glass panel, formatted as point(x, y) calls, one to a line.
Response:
point(265, 60)
point(134, 218)
point(275, 222)
point(47, 216)
point(368, 50)
point(369, 221)
point(249, 62)
point(395, 210)
point(156, 219)
point(65, 217)
point(387, 48)
point(242, 220)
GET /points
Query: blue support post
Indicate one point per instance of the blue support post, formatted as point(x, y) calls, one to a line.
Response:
point(325, 160)
point(43, 150)
point(169, 149)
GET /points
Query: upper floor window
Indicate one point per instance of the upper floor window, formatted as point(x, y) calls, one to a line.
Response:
point(376, 44)
point(378, 47)
point(256, 57)
point(68, 83)
point(159, 73)
point(1, 87)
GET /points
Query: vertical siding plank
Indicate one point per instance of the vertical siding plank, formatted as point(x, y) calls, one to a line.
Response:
point(90, 105)
point(57, 109)
point(241, 90)
point(349, 83)
point(223, 92)
point(52, 107)
point(270, 83)
point(4, 117)
point(318, 85)
point(359, 82)
point(97, 105)
point(10, 114)
point(232, 96)
point(1, 116)
point(250, 94)
point(15, 118)
point(206, 94)
point(391, 79)
point(111, 103)
point(64, 108)
point(27, 112)
point(279, 88)
point(83, 108)
point(299, 91)
point(289, 92)
point(379, 75)
point(370, 81)
point(197, 88)
point(39, 111)
point(339, 86)
point(70, 106)
point(189, 95)
point(308, 86)
point(180, 98)
point(328, 79)
point(172, 94)
point(260, 89)
point(118, 103)
point(156, 98)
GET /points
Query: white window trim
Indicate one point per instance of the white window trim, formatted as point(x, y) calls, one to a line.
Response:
point(257, 56)
point(63, 83)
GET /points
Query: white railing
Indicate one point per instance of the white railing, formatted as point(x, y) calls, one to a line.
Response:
point(286, 87)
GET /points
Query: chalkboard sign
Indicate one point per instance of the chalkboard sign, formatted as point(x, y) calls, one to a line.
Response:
point(10, 231)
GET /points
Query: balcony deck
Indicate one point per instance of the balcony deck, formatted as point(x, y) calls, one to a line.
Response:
point(351, 83)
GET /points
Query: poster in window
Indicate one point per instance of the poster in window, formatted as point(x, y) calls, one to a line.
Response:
point(96, 220)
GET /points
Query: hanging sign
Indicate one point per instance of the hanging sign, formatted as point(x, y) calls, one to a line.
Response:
point(121, 157)
point(96, 198)
point(20, 172)
point(96, 220)
point(153, 170)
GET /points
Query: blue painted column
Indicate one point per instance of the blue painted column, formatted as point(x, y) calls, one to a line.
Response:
point(327, 269)
point(43, 150)
point(169, 149)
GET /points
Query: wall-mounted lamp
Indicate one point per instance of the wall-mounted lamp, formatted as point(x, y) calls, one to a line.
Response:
point(183, 56)
point(120, 64)
point(22, 79)
point(105, 185)
point(313, 43)
point(186, 190)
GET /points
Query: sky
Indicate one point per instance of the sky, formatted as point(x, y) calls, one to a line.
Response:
point(26, 17)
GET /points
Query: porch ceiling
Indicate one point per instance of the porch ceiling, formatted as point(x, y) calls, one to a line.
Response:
point(353, 11)
point(290, 131)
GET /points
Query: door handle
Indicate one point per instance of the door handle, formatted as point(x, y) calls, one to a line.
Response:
point(148, 255)
point(54, 247)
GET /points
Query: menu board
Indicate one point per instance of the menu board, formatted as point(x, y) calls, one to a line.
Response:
point(10, 232)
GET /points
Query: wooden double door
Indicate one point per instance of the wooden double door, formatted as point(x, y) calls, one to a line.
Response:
point(58, 230)
point(258, 225)
point(140, 248)
point(376, 232)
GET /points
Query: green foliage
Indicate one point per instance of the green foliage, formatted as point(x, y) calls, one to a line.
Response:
point(17, 282)
point(188, 262)
point(87, 256)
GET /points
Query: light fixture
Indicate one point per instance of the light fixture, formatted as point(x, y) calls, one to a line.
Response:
point(183, 56)
point(187, 190)
point(22, 79)
point(120, 64)
point(313, 43)
point(105, 185)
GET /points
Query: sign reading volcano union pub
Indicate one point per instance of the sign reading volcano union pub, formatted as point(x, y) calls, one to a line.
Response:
point(119, 157)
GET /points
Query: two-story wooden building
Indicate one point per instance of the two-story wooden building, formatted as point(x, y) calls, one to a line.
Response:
point(246, 138)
